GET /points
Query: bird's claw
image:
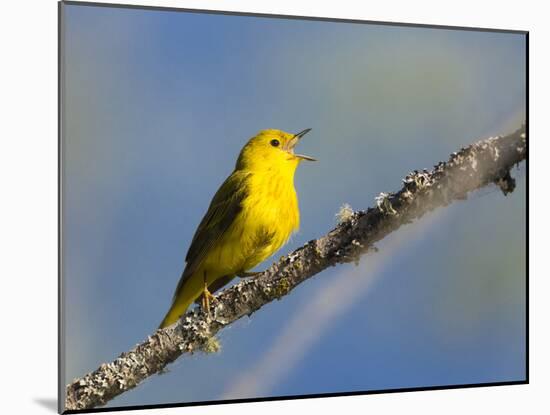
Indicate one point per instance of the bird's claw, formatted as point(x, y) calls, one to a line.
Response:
point(206, 298)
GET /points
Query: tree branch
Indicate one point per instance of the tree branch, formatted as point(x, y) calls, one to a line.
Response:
point(482, 163)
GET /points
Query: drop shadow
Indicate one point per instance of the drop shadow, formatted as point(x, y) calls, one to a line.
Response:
point(48, 403)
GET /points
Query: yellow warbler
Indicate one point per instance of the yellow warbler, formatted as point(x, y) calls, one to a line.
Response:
point(251, 216)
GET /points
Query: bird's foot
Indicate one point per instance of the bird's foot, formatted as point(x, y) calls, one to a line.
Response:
point(248, 274)
point(206, 298)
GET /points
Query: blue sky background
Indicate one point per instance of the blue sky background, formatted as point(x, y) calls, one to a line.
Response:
point(157, 107)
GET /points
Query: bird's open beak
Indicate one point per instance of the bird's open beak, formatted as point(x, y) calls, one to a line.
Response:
point(292, 143)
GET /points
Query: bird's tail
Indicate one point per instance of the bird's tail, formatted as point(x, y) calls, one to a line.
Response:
point(188, 290)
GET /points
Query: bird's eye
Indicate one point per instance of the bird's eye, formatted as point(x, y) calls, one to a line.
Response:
point(275, 143)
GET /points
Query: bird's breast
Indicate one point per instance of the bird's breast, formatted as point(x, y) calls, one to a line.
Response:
point(272, 202)
point(270, 214)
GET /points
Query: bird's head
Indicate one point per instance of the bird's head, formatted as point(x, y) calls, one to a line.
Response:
point(272, 149)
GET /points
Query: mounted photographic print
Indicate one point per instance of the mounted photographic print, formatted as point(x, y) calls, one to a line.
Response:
point(258, 207)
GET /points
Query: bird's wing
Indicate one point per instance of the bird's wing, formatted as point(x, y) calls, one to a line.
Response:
point(224, 208)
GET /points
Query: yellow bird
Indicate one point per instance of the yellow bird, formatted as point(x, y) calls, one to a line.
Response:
point(251, 216)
